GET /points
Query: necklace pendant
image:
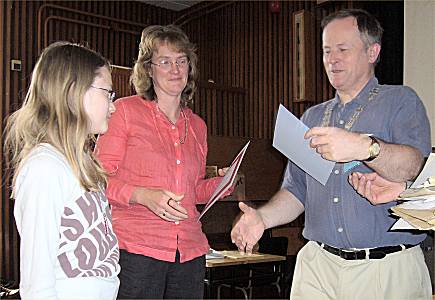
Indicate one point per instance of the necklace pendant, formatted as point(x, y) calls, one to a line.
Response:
point(186, 128)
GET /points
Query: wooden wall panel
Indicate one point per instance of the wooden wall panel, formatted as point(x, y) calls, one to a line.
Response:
point(104, 26)
point(248, 46)
point(12, 15)
point(249, 49)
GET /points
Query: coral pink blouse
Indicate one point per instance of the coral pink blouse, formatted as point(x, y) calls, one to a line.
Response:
point(142, 148)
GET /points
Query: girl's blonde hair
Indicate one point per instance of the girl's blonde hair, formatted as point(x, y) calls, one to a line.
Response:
point(53, 111)
point(152, 37)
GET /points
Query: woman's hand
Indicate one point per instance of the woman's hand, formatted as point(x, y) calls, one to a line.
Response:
point(223, 171)
point(163, 203)
point(375, 188)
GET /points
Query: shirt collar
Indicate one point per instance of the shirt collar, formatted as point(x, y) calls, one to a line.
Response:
point(153, 105)
point(363, 96)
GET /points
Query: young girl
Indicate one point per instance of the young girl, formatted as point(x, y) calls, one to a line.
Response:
point(68, 249)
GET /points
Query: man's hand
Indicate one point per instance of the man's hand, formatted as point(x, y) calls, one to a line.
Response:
point(375, 188)
point(248, 229)
point(339, 145)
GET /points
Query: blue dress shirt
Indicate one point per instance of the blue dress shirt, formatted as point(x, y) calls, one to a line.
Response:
point(335, 214)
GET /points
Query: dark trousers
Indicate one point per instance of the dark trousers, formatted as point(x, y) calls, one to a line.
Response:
point(144, 277)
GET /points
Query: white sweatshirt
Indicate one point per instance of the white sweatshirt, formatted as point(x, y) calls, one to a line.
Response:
point(68, 249)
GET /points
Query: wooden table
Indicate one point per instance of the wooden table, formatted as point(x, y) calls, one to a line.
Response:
point(232, 264)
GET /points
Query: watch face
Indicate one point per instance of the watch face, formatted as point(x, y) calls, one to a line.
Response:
point(375, 148)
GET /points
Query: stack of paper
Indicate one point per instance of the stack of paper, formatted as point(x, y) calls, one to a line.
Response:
point(415, 214)
point(419, 210)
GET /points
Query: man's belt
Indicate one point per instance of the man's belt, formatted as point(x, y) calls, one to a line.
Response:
point(374, 253)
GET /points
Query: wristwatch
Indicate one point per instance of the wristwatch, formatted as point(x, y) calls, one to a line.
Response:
point(374, 149)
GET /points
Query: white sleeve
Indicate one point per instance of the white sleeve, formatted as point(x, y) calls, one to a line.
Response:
point(40, 193)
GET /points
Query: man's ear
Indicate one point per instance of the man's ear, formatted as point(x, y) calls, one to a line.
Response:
point(373, 52)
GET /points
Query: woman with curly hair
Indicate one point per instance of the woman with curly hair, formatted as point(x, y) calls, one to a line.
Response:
point(155, 154)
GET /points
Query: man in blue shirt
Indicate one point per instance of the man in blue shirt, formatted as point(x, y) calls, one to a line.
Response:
point(351, 254)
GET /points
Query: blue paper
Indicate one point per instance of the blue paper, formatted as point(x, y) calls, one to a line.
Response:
point(289, 140)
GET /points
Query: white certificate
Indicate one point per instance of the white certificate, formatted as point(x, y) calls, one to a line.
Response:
point(227, 180)
point(289, 139)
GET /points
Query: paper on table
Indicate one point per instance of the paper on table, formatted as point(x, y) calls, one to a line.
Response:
point(425, 215)
point(289, 140)
point(416, 223)
point(234, 254)
point(428, 171)
point(227, 180)
point(401, 224)
point(421, 193)
point(213, 254)
point(422, 204)
point(419, 211)
point(419, 214)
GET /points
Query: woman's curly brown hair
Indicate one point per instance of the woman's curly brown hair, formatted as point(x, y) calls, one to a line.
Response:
point(152, 37)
